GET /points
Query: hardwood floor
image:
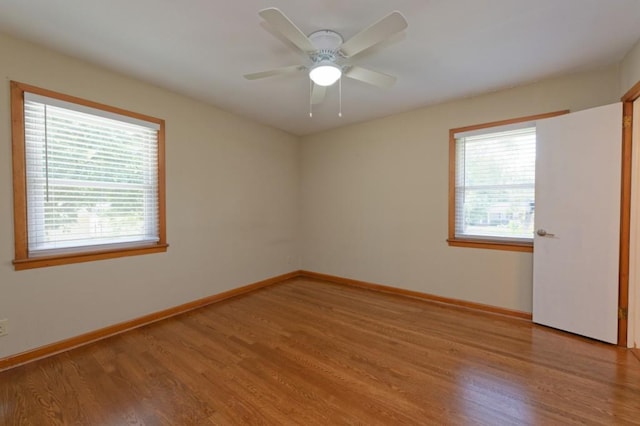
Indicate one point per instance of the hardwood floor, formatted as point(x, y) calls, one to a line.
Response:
point(310, 352)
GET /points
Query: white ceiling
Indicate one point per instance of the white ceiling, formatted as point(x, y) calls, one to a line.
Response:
point(451, 49)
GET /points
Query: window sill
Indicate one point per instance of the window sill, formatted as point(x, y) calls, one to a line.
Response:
point(65, 259)
point(491, 245)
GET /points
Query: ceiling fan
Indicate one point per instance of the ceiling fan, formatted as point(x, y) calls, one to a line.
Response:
point(329, 54)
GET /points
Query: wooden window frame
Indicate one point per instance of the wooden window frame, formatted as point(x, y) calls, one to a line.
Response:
point(481, 242)
point(22, 260)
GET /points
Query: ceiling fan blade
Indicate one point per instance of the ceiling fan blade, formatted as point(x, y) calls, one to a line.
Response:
point(284, 26)
point(317, 94)
point(278, 71)
point(371, 77)
point(375, 33)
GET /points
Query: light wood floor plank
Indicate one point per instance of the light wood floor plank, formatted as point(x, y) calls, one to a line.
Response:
point(315, 353)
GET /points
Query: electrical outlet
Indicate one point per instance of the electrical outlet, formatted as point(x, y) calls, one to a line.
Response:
point(4, 327)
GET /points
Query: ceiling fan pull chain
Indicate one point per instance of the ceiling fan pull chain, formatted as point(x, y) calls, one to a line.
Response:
point(310, 98)
point(340, 96)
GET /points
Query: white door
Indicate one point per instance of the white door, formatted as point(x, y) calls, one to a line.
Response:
point(575, 264)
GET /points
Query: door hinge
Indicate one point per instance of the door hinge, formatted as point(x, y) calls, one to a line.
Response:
point(623, 313)
point(626, 121)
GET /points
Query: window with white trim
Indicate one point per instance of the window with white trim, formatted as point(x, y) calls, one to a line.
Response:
point(91, 178)
point(492, 184)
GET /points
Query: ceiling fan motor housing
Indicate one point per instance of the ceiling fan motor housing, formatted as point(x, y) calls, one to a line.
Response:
point(327, 43)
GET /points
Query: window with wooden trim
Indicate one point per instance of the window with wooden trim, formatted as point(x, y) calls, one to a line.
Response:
point(88, 180)
point(492, 184)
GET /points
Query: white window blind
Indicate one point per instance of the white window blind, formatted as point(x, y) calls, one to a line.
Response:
point(495, 184)
point(92, 178)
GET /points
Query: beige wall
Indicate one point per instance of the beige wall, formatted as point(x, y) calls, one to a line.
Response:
point(374, 195)
point(232, 190)
point(368, 202)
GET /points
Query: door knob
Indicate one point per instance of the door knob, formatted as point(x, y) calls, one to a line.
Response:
point(541, 232)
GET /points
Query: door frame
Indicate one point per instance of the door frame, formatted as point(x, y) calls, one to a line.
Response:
point(625, 211)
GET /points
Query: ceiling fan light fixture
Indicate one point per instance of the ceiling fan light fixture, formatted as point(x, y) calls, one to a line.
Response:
point(325, 73)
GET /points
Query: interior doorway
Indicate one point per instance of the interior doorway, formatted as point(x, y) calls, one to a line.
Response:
point(629, 302)
point(633, 335)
